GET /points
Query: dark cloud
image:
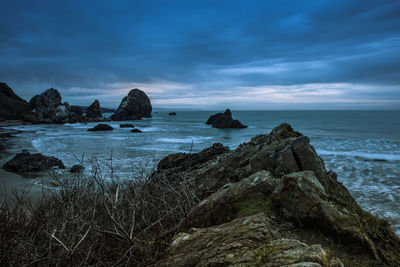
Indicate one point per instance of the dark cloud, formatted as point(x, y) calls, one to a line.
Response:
point(201, 48)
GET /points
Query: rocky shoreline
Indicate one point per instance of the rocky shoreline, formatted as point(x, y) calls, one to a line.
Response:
point(288, 189)
point(270, 202)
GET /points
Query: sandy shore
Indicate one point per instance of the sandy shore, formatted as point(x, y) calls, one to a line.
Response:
point(9, 181)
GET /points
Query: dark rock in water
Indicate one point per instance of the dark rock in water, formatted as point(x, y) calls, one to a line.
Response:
point(94, 111)
point(101, 127)
point(172, 113)
point(26, 162)
point(76, 169)
point(134, 106)
point(136, 131)
point(46, 103)
point(224, 120)
point(126, 125)
point(12, 107)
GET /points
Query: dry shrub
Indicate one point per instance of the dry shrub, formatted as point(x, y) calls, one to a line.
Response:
point(94, 221)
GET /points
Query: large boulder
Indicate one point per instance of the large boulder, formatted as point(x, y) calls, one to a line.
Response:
point(134, 106)
point(27, 162)
point(12, 107)
point(46, 103)
point(224, 120)
point(94, 111)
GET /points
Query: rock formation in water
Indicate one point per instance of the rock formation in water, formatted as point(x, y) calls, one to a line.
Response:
point(27, 162)
point(135, 106)
point(12, 107)
point(136, 130)
point(224, 120)
point(94, 111)
point(172, 113)
point(270, 202)
point(126, 125)
point(101, 127)
point(76, 169)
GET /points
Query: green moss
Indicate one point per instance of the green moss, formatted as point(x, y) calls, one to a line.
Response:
point(264, 255)
point(250, 207)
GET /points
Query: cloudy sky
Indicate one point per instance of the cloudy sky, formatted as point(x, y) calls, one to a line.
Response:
point(287, 54)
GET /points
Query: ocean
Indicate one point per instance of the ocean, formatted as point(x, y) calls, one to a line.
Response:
point(362, 147)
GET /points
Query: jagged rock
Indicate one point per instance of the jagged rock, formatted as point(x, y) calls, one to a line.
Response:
point(224, 120)
point(46, 103)
point(222, 206)
point(263, 152)
point(126, 125)
point(101, 127)
point(303, 198)
point(136, 131)
point(134, 106)
point(12, 107)
point(304, 193)
point(77, 169)
point(172, 113)
point(77, 110)
point(247, 241)
point(26, 162)
point(62, 113)
point(94, 111)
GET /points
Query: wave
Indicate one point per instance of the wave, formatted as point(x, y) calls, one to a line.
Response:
point(186, 140)
point(363, 155)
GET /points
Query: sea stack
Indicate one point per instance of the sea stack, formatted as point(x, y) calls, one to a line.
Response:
point(224, 120)
point(135, 106)
point(12, 107)
point(94, 111)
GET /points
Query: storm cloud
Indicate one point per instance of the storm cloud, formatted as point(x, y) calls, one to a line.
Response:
point(206, 54)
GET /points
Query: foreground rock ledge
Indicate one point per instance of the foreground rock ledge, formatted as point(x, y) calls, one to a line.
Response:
point(255, 199)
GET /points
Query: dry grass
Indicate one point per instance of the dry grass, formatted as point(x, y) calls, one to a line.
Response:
point(91, 221)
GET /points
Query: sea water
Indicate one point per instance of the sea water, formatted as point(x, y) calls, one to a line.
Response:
point(362, 147)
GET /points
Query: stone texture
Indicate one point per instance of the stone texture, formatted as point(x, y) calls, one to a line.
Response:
point(134, 106)
point(221, 206)
point(247, 241)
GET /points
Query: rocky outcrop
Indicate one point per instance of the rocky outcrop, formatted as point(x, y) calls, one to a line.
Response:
point(135, 106)
point(94, 111)
point(280, 175)
point(101, 127)
point(172, 113)
point(248, 241)
point(12, 107)
point(27, 162)
point(224, 120)
point(136, 130)
point(46, 103)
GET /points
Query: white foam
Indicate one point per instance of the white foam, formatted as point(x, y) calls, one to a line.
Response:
point(364, 155)
point(186, 140)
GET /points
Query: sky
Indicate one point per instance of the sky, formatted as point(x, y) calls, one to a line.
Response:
point(287, 54)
